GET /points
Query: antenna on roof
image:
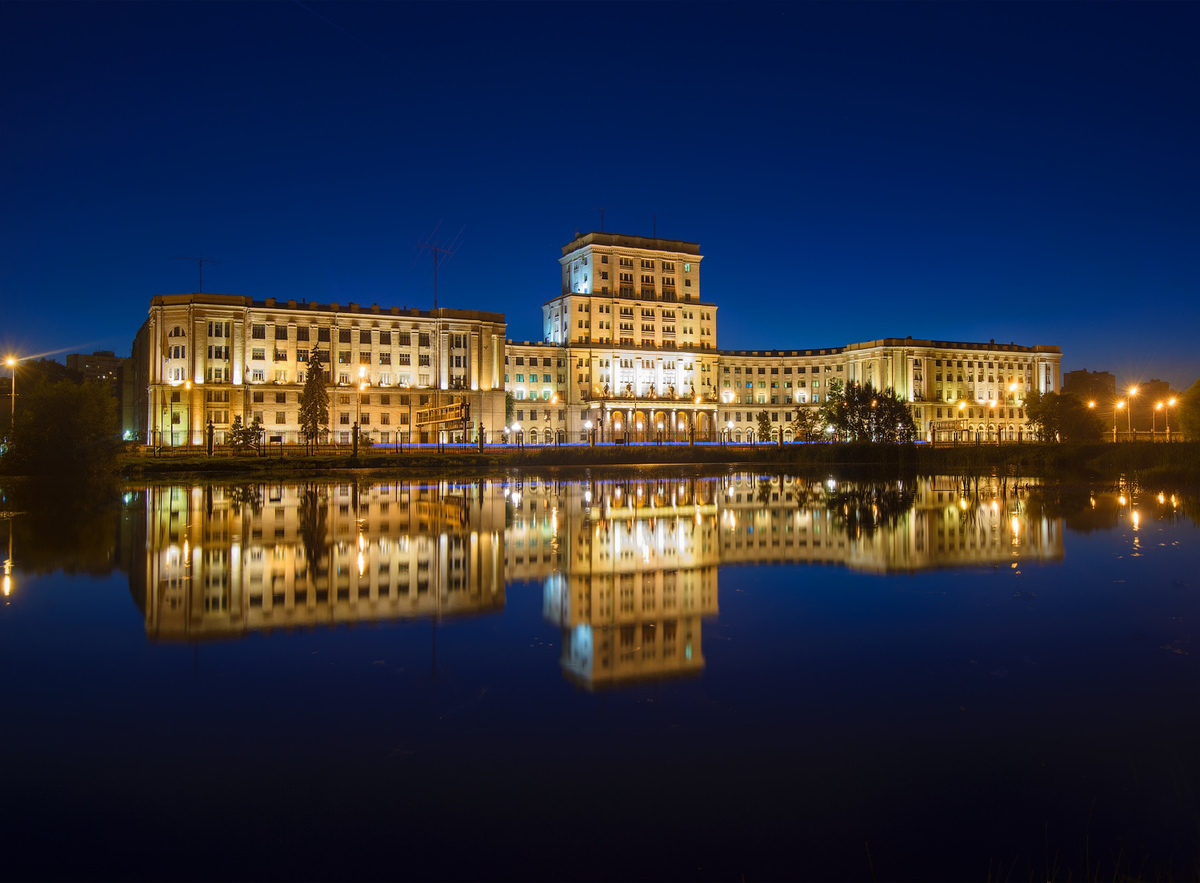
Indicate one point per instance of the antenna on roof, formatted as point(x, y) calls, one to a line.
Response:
point(200, 262)
point(601, 209)
point(438, 251)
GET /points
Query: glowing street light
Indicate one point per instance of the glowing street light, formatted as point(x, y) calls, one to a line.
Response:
point(591, 435)
point(11, 362)
point(1133, 390)
point(1117, 407)
point(1170, 404)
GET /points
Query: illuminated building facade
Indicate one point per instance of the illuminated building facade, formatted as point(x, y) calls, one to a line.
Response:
point(204, 358)
point(634, 350)
point(629, 352)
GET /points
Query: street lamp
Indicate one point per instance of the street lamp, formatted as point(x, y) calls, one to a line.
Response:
point(961, 407)
point(660, 432)
point(1170, 404)
point(1117, 407)
point(729, 432)
point(1133, 390)
point(362, 384)
point(516, 428)
point(11, 362)
point(591, 436)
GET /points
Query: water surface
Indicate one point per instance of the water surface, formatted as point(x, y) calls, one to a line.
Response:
point(703, 677)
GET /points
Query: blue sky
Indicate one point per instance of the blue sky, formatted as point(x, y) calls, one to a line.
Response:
point(1022, 172)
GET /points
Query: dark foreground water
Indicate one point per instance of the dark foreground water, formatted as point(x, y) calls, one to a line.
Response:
point(733, 677)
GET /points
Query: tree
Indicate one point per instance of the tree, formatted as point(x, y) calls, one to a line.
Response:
point(509, 405)
point(764, 426)
point(1061, 417)
point(863, 413)
point(314, 403)
point(65, 429)
point(242, 437)
point(1189, 413)
point(805, 426)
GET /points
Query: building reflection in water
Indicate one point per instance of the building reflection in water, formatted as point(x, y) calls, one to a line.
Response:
point(628, 568)
point(222, 561)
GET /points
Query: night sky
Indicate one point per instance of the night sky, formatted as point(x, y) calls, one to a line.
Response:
point(1023, 172)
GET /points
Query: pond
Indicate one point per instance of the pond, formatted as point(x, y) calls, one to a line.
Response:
point(634, 676)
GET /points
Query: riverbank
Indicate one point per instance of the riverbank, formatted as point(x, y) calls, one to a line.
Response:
point(1177, 463)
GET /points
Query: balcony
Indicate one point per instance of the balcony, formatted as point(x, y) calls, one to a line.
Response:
point(627, 395)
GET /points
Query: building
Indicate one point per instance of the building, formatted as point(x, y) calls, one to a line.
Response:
point(629, 353)
point(1097, 386)
point(102, 366)
point(210, 358)
point(633, 351)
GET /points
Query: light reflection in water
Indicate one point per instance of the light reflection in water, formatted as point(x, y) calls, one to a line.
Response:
point(629, 567)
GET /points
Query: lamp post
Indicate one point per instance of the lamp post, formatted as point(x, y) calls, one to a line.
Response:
point(1117, 407)
point(660, 432)
point(516, 428)
point(729, 432)
point(961, 407)
point(11, 362)
point(1167, 414)
point(1012, 398)
point(1133, 390)
point(590, 434)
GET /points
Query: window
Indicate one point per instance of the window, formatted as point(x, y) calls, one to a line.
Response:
point(281, 332)
point(364, 338)
point(280, 417)
point(281, 398)
point(343, 335)
point(258, 332)
point(302, 334)
point(258, 354)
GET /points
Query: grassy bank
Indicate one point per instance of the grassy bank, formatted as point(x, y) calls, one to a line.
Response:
point(1176, 463)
